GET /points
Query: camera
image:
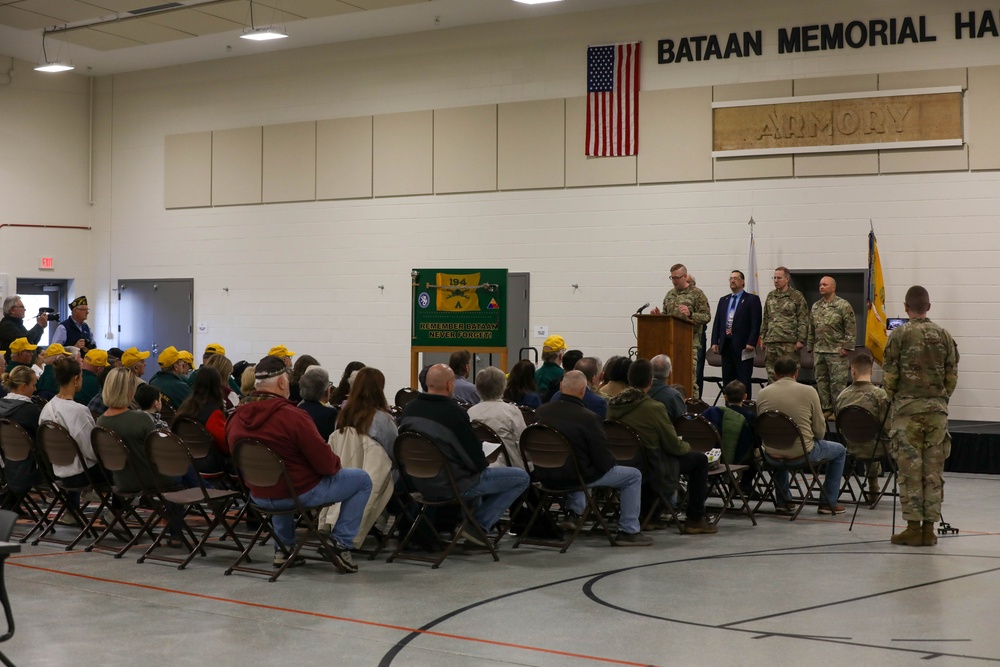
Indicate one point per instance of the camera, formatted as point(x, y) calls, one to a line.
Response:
point(50, 314)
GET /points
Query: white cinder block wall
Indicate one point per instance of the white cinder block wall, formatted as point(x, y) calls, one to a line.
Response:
point(307, 274)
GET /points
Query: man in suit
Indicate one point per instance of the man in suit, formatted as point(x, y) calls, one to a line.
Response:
point(736, 330)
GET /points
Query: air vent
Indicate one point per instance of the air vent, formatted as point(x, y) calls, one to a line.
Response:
point(155, 8)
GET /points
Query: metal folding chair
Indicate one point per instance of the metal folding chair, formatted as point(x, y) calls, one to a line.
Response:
point(779, 433)
point(628, 450)
point(863, 434)
point(703, 437)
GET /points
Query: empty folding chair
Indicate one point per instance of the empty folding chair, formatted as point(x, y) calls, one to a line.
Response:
point(780, 435)
point(703, 437)
point(714, 360)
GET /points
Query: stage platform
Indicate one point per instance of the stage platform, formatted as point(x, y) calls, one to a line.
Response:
point(975, 447)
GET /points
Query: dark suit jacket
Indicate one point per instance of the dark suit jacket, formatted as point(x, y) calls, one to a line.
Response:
point(585, 433)
point(746, 321)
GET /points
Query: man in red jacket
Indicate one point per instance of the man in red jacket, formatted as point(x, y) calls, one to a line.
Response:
point(315, 471)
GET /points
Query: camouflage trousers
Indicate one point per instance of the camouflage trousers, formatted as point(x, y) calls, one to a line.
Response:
point(775, 351)
point(832, 374)
point(695, 349)
point(920, 444)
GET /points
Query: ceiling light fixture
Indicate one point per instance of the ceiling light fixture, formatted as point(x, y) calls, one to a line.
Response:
point(47, 65)
point(262, 34)
point(535, 2)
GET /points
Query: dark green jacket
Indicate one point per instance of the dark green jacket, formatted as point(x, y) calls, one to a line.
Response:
point(650, 420)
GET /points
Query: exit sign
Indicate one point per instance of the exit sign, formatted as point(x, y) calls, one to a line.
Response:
point(46, 263)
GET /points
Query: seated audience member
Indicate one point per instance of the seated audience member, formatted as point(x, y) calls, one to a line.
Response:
point(550, 372)
point(615, 376)
point(734, 423)
point(283, 353)
point(650, 420)
point(135, 361)
point(75, 418)
point(435, 415)
point(204, 406)
point(314, 389)
point(663, 392)
point(585, 433)
point(569, 359)
point(21, 353)
point(801, 403)
point(237, 375)
point(97, 406)
point(521, 388)
point(95, 362)
point(115, 355)
point(149, 400)
point(298, 368)
point(505, 419)
point(460, 363)
point(343, 388)
point(17, 406)
point(221, 363)
point(267, 415)
point(169, 379)
point(3, 371)
point(48, 386)
point(591, 399)
point(247, 381)
point(367, 411)
point(872, 398)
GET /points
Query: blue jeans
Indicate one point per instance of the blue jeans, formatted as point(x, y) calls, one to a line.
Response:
point(823, 451)
point(497, 489)
point(350, 487)
point(628, 481)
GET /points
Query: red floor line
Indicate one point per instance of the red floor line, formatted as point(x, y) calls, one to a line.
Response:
point(344, 619)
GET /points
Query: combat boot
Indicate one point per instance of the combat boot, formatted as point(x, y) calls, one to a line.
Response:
point(873, 489)
point(911, 537)
point(929, 536)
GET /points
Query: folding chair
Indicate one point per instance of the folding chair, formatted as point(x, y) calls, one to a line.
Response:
point(695, 406)
point(545, 448)
point(486, 434)
point(114, 456)
point(17, 445)
point(61, 449)
point(528, 414)
point(420, 459)
point(859, 428)
point(779, 433)
point(7, 520)
point(207, 460)
point(171, 458)
point(714, 359)
point(260, 466)
point(703, 437)
point(628, 450)
point(404, 396)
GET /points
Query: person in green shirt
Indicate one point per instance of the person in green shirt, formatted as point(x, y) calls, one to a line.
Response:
point(551, 370)
point(91, 365)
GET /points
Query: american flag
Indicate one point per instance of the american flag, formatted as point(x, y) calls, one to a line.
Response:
point(613, 100)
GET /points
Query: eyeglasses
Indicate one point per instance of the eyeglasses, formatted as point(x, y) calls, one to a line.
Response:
point(677, 277)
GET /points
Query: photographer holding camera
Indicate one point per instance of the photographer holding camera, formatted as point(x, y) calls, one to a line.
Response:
point(74, 331)
point(12, 325)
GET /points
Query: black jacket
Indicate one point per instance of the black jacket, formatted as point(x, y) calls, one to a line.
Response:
point(448, 425)
point(12, 328)
point(585, 433)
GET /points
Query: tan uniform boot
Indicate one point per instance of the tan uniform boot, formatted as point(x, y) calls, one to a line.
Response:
point(911, 537)
point(873, 489)
point(929, 536)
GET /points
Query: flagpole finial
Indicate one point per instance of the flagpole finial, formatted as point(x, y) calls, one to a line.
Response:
point(751, 222)
point(872, 225)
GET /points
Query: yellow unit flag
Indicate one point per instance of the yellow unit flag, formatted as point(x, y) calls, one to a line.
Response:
point(457, 292)
point(875, 331)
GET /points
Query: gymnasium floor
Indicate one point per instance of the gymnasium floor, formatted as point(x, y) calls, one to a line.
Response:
point(807, 592)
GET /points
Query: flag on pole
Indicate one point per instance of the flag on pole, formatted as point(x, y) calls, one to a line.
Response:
point(612, 100)
point(752, 286)
point(875, 332)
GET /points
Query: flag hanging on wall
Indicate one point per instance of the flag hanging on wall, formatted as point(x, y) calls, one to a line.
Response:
point(752, 287)
point(875, 335)
point(613, 100)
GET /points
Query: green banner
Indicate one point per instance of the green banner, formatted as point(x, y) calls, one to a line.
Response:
point(459, 307)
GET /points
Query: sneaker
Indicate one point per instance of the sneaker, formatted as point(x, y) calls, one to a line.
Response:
point(342, 557)
point(471, 538)
point(785, 510)
point(68, 519)
point(826, 509)
point(700, 527)
point(633, 540)
point(280, 558)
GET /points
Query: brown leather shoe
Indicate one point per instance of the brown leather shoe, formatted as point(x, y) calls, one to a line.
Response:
point(700, 527)
point(826, 509)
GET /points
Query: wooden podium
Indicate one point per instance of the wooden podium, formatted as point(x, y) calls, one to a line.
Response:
point(672, 336)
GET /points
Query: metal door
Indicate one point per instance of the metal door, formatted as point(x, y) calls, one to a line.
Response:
point(155, 314)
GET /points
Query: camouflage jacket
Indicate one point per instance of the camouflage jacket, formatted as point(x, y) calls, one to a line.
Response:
point(873, 399)
point(831, 326)
point(785, 318)
point(696, 301)
point(921, 367)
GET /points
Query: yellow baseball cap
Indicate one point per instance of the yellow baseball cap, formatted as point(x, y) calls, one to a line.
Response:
point(133, 355)
point(280, 351)
point(554, 344)
point(20, 345)
point(97, 358)
point(56, 349)
point(215, 348)
point(186, 357)
point(168, 357)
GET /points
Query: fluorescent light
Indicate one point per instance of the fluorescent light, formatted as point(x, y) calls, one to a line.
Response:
point(46, 65)
point(54, 67)
point(263, 34)
point(535, 2)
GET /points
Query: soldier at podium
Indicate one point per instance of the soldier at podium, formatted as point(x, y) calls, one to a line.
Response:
point(687, 301)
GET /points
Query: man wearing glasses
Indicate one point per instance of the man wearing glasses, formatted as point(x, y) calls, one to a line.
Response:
point(74, 330)
point(12, 325)
point(784, 326)
point(687, 301)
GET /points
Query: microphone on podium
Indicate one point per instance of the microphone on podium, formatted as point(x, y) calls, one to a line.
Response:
point(642, 308)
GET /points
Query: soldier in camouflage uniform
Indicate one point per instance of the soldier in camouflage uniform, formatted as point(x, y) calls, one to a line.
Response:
point(689, 302)
point(921, 372)
point(873, 399)
point(784, 325)
point(832, 335)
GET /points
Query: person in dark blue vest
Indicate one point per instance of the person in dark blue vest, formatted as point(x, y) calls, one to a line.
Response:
point(74, 330)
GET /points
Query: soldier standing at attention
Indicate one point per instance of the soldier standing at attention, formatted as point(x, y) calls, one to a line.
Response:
point(784, 325)
point(832, 333)
point(921, 372)
point(687, 301)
